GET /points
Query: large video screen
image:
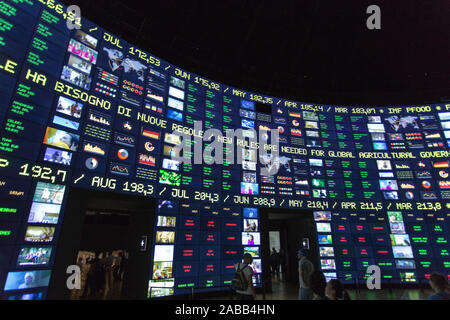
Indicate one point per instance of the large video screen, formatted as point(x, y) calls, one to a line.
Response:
point(79, 105)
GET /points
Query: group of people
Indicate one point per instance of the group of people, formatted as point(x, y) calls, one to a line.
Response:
point(313, 284)
point(101, 272)
point(277, 260)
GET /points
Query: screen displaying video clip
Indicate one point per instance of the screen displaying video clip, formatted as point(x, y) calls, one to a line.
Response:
point(251, 239)
point(69, 107)
point(58, 156)
point(21, 280)
point(34, 256)
point(61, 139)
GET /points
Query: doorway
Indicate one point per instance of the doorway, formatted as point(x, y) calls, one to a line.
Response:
point(102, 232)
point(286, 229)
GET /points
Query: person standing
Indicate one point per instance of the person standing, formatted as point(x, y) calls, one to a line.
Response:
point(108, 267)
point(273, 262)
point(117, 266)
point(249, 293)
point(305, 269)
point(282, 263)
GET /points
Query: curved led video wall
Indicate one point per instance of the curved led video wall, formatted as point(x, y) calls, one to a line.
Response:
point(84, 108)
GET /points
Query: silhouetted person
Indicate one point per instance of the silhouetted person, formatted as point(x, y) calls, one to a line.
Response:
point(108, 267)
point(89, 286)
point(282, 256)
point(274, 261)
point(335, 290)
point(117, 266)
point(249, 293)
point(317, 284)
point(99, 275)
point(305, 268)
point(439, 284)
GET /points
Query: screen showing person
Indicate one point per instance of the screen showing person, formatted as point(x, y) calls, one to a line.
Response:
point(249, 188)
point(165, 236)
point(163, 253)
point(44, 213)
point(162, 270)
point(27, 279)
point(251, 225)
point(49, 193)
point(69, 107)
point(76, 78)
point(256, 266)
point(57, 156)
point(165, 221)
point(251, 213)
point(170, 151)
point(251, 238)
point(384, 165)
point(388, 185)
point(39, 234)
point(61, 139)
point(31, 256)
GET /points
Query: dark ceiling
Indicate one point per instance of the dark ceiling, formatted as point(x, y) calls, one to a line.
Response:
point(308, 50)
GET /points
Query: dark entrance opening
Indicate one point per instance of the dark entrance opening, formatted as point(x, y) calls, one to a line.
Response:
point(104, 222)
point(293, 226)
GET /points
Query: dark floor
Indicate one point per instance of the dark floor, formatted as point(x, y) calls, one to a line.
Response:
point(288, 291)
